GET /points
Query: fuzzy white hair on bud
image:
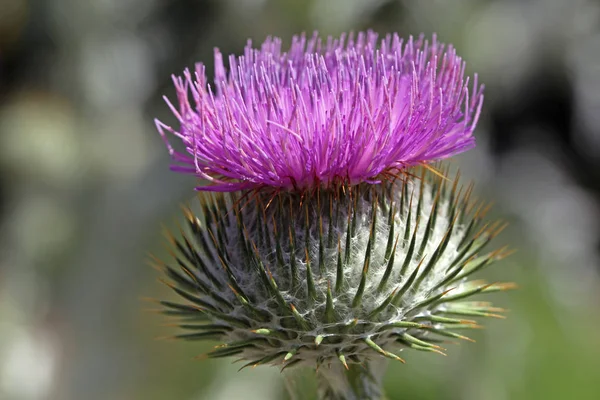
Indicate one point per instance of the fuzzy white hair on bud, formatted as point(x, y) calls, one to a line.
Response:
point(334, 277)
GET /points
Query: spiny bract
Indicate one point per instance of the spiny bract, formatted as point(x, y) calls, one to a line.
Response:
point(333, 276)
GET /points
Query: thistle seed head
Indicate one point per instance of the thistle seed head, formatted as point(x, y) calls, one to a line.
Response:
point(340, 275)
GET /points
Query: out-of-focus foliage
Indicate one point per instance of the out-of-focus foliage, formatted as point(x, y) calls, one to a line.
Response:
point(84, 188)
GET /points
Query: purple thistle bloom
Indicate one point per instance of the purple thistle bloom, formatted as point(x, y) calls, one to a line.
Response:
point(347, 110)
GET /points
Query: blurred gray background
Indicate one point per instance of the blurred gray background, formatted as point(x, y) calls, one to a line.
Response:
point(85, 189)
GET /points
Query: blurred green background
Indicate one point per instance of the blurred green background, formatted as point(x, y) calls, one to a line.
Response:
point(85, 189)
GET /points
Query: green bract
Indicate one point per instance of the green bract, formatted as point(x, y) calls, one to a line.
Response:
point(334, 277)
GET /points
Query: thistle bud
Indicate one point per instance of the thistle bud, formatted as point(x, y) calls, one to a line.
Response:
point(335, 276)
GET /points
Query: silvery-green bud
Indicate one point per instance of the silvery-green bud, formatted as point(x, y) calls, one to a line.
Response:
point(334, 279)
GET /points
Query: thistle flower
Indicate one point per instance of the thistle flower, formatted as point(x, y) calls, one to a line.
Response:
point(324, 238)
point(349, 110)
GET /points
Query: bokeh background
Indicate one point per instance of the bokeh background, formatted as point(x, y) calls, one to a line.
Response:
point(85, 190)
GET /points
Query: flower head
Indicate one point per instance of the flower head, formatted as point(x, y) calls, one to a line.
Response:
point(349, 110)
point(325, 257)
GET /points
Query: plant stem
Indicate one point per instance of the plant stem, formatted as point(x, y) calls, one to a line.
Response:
point(359, 382)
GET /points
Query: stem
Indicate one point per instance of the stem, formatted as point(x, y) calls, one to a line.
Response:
point(359, 382)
